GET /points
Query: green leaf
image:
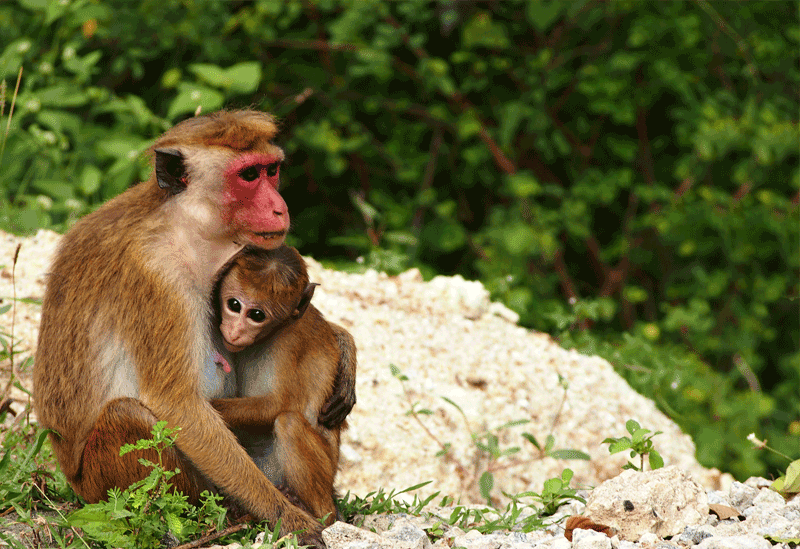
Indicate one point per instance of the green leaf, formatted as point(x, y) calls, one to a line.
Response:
point(452, 403)
point(638, 435)
point(60, 121)
point(212, 75)
point(530, 438)
point(482, 31)
point(486, 483)
point(543, 13)
point(57, 189)
point(792, 478)
point(175, 525)
point(62, 95)
point(632, 426)
point(569, 454)
point(523, 185)
point(618, 445)
point(89, 180)
point(191, 96)
point(655, 459)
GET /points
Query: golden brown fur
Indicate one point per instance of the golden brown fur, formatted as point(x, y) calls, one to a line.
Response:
point(124, 331)
point(285, 379)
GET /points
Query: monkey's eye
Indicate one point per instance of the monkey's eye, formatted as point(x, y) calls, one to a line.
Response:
point(234, 305)
point(249, 174)
point(272, 169)
point(256, 315)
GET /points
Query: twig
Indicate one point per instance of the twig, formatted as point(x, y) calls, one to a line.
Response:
point(10, 116)
point(215, 535)
point(13, 372)
point(462, 471)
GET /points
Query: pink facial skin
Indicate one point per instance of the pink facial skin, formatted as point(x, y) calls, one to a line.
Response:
point(252, 201)
point(239, 331)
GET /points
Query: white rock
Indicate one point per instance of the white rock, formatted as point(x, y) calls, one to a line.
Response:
point(589, 539)
point(769, 499)
point(556, 543)
point(749, 541)
point(498, 309)
point(663, 502)
point(409, 534)
point(648, 539)
point(742, 496)
point(411, 275)
point(341, 535)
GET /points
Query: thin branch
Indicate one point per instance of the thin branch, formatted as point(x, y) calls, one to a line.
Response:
point(10, 116)
point(427, 180)
point(320, 45)
point(459, 100)
point(215, 535)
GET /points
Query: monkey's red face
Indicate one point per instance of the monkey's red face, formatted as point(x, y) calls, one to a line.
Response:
point(253, 204)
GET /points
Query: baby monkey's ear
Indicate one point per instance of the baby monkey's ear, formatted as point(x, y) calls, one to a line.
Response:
point(305, 300)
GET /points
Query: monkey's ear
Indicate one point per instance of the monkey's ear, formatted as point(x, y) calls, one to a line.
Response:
point(305, 299)
point(170, 170)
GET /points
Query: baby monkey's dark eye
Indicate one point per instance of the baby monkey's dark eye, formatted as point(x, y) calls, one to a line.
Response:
point(234, 305)
point(256, 315)
point(272, 169)
point(249, 174)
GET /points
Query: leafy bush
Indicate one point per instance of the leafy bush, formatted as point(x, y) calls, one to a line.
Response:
point(622, 174)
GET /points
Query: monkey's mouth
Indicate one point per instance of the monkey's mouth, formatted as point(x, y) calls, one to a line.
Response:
point(231, 347)
point(271, 239)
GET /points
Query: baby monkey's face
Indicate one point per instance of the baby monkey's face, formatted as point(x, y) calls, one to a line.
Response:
point(244, 317)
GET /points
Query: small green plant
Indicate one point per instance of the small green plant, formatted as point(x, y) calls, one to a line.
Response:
point(788, 484)
point(556, 493)
point(488, 457)
point(525, 512)
point(147, 513)
point(380, 502)
point(639, 443)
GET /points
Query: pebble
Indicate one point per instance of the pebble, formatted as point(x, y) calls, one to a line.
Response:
point(766, 508)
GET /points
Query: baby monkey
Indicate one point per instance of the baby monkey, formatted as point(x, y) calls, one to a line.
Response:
point(284, 361)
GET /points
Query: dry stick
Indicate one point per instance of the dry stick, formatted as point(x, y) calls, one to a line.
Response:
point(215, 535)
point(462, 471)
point(10, 116)
point(12, 374)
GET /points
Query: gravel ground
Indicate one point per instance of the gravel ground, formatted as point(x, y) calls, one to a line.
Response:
point(450, 342)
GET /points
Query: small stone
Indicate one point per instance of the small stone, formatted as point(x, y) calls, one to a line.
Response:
point(341, 535)
point(649, 539)
point(717, 497)
point(691, 535)
point(742, 496)
point(769, 498)
point(778, 527)
point(412, 536)
point(555, 543)
point(750, 541)
point(589, 539)
point(758, 482)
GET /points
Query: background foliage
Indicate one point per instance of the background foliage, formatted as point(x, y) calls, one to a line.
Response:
point(623, 174)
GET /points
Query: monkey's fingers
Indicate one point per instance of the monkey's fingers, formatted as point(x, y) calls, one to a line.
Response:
point(334, 412)
point(313, 539)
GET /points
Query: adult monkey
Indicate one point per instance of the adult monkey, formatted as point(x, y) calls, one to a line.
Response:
point(125, 319)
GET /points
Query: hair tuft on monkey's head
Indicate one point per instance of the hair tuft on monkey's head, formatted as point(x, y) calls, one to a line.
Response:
point(237, 130)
